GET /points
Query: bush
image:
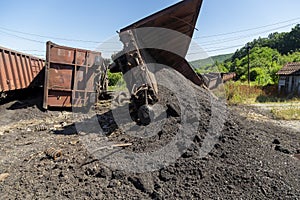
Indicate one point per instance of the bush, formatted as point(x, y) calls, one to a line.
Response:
point(114, 78)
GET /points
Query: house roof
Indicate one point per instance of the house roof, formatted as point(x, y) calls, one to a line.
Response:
point(290, 69)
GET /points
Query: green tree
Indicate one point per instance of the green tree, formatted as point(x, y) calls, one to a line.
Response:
point(263, 65)
point(284, 43)
point(114, 78)
point(267, 56)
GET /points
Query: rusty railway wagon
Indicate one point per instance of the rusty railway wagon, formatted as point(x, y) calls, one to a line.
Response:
point(73, 77)
point(162, 38)
point(19, 71)
point(214, 79)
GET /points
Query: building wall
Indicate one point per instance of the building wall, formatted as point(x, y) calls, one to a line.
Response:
point(297, 84)
point(289, 84)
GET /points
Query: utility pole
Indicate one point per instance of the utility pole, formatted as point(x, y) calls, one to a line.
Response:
point(248, 52)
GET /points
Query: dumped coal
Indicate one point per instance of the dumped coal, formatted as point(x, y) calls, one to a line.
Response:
point(243, 162)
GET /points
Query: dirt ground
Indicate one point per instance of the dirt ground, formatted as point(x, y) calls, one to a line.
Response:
point(255, 157)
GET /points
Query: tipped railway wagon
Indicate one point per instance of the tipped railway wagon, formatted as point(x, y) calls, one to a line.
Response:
point(18, 70)
point(73, 77)
point(162, 38)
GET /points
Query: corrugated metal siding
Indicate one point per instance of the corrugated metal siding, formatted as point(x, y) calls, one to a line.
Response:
point(18, 70)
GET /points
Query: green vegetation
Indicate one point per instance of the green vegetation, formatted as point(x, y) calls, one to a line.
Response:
point(291, 113)
point(264, 64)
point(207, 64)
point(266, 57)
point(113, 78)
point(115, 81)
point(284, 43)
point(241, 93)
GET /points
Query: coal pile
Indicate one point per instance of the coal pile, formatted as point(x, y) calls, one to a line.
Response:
point(244, 161)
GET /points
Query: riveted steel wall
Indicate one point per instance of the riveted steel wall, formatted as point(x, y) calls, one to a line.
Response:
point(72, 76)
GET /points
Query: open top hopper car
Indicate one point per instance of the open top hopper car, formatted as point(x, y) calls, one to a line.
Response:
point(73, 77)
point(162, 38)
point(18, 71)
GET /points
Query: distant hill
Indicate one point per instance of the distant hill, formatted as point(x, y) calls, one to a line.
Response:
point(208, 62)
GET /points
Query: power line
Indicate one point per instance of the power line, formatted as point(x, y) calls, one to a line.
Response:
point(55, 38)
point(242, 36)
point(34, 50)
point(203, 44)
point(36, 41)
point(213, 50)
point(17, 36)
point(225, 48)
point(235, 38)
point(97, 42)
point(244, 30)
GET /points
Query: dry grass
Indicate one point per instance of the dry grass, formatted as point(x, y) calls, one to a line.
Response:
point(242, 93)
point(291, 113)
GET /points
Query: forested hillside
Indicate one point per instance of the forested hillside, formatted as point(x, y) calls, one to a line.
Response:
point(203, 65)
point(266, 56)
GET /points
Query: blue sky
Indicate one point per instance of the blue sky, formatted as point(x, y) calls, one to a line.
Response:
point(95, 20)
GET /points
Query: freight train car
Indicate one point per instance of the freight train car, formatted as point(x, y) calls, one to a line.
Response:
point(162, 38)
point(73, 77)
point(18, 70)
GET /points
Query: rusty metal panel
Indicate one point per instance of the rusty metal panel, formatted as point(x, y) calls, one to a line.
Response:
point(70, 76)
point(18, 70)
point(181, 18)
point(228, 76)
point(60, 98)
